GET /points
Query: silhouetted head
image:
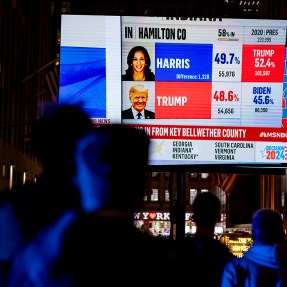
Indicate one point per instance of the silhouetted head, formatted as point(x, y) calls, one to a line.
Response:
point(267, 227)
point(206, 210)
point(111, 165)
point(54, 137)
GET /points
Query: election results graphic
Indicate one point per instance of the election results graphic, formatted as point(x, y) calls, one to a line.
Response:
point(216, 88)
point(183, 62)
point(183, 81)
point(183, 100)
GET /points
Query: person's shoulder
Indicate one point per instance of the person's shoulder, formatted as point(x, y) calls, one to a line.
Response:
point(127, 114)
point(127, 110)
point(234, 273)
point(221, 247)
point(211, 247)
point(160, 248)
point(38, 255)
point(127, 77)
point(235, 263)
point(150, 76)
point(225, 250)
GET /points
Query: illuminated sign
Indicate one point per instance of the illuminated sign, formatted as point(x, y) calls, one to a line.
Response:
point(237, 245)
point(156, 216)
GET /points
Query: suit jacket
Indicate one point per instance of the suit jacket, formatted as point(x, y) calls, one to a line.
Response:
point(128, 114)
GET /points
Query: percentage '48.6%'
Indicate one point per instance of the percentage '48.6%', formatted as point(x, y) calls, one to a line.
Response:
point(221, 96)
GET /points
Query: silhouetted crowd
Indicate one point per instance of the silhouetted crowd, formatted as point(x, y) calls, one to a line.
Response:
point(74, 226)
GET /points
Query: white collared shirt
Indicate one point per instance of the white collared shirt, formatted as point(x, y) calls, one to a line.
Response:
point(135, 113)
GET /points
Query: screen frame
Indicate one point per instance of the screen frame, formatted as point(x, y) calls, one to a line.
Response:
point(71, 27)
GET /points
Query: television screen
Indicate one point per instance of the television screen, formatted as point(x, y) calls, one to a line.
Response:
point(207, 91)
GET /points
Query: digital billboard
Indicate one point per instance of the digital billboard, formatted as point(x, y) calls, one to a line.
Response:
point(209, 91)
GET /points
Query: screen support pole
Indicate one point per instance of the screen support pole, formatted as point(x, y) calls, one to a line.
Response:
point(180, 202)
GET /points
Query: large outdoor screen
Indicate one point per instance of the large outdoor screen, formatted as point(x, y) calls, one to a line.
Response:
point(210, 91)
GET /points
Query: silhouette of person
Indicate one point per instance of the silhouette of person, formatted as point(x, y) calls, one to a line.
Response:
point(54, 137)
point(100, 245)
point(138, 95)
point(29, 208)
point(265, 262)
point(138, 61)
point(206, 255)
